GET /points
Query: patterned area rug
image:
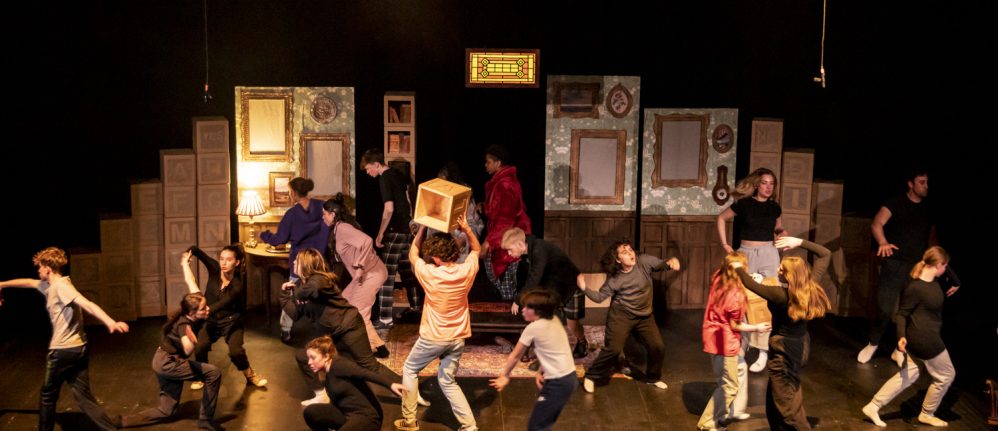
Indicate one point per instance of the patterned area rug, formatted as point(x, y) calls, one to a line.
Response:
point(482, 356)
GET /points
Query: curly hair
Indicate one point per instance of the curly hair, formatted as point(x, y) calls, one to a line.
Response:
point(442, 246)
point(608, 262)
point(52, 257)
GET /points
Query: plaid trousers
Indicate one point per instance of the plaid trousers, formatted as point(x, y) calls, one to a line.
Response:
point(395, 255)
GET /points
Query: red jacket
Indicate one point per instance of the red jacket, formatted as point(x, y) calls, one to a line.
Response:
point(505, 209)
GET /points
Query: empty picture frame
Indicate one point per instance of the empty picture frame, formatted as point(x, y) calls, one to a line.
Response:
point(680, 150)
point(325, 158)
point(265, 124)
point(576, 100)
point(597, 157)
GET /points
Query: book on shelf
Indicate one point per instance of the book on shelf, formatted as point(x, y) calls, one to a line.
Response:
point(406, 113)
point(404, 145)
point(393, 143)
point(393, 115)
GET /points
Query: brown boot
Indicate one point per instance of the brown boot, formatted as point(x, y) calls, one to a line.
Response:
point(252, 378)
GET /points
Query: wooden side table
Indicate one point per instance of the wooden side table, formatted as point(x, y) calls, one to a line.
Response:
point(259, 259)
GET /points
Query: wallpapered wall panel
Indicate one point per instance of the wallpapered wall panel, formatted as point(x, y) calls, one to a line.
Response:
point(558, 140)
point(691, 200)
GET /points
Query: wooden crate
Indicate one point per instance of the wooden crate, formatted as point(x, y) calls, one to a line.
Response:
point(178, 168)
point(213, 232)
point(152, 299)
point(117, 266)
point(213, 200)
point(213, 168)
point(795, 198)
point(147, 198)
point(439, 203)
point(211, 134)
point(84, 267)
point(149, 261)
point(827, 197)
point(115, 233)
point(767, 135)
point(180, 201)
point(760, 159)
point(798, 167)
point(148, 230)
point(180, 232)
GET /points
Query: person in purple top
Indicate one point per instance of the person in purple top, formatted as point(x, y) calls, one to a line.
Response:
point(302, 225)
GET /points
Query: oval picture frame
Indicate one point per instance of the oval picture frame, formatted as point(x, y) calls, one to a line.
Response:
point(723, 138)
point(619, 101)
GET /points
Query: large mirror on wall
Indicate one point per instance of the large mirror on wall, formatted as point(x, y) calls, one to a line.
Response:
point(680, 150)
point(325, 158)
point(597, 170)
point(265, 120)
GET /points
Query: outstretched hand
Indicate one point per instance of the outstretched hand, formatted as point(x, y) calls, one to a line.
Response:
point(399, 390)
point(120, 327)
point(886, 250)
point(673, 264)
point(787, 242)
point(499, 383)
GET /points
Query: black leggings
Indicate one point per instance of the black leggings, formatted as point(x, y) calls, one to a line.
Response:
point(232, 330)
point(328, 416)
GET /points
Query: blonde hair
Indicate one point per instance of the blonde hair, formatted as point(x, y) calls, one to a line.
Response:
point(932, 257)
point(310, 262)
point(725, 280)
point(806, 300)
point(52, 257)
point(750, 184)
point(513, 234)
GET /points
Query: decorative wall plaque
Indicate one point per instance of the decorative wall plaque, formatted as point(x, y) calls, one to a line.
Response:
point(721, 192)
point(723, 138)
point(619, 101)
point(324, 109)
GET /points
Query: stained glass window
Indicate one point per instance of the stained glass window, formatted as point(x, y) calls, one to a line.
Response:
point(502, 67)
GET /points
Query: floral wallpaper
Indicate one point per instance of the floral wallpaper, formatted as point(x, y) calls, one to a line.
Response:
point(558, 142)
point(687, 200)
point(253, 175)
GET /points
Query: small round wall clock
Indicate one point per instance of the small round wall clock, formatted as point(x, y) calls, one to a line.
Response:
point(724, 138)
point(323, 109)
point(619, 101)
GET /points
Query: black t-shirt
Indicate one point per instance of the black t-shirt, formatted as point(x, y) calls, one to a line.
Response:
point(920, 318)
point(171, 339)
point(908, 228)
point(225, 304)
point(755, 221)
point(393, 189)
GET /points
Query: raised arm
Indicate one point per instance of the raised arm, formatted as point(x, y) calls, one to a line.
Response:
point(605, 291)
point(775, 294)
point(20, 283)
point(473, 243)
point(417, 242)
point(722, 228)
point(185, 265)
point(210, 263)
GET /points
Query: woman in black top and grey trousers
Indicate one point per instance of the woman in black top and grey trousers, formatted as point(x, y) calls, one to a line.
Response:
point(800, 300)
point(918, 320)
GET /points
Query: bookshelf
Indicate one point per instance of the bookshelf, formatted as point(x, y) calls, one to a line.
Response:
point(400, 128)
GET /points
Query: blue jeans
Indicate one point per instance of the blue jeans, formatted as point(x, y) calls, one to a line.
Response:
point(449, 352)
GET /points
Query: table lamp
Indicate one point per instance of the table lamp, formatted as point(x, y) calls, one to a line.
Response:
point(250, 206)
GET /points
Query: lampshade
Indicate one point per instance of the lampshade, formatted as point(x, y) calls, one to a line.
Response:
point(250, 205)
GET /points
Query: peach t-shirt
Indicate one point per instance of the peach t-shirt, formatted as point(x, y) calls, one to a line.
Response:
point(445, 310)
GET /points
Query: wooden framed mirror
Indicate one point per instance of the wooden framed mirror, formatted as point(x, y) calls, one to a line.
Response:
point(680, 150)
point(265, 125)
point(597, 157)
point(325, 158)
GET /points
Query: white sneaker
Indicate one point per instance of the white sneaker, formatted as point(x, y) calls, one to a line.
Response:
point(588, 385)
point(873, 412)
point(320, 398)
point(421, 401)
point(759, 363)
point(197, 385)
point(931, 420)
point(740, 416)
point(659, 384)
point(898, 358)
point(866, 354)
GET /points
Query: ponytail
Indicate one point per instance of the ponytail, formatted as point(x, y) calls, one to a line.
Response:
point(935, 255)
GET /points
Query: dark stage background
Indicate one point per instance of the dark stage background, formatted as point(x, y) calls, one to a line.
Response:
point(98, 88)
